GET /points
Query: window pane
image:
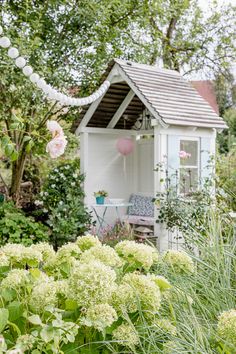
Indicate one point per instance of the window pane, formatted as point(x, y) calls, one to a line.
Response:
point(188, 180)
point(191, 147)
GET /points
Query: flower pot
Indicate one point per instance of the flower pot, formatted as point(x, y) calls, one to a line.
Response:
point(100, 200)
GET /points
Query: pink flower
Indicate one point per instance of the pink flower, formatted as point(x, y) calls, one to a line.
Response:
point(184, 155)
point(56, 147)
point(54, 128)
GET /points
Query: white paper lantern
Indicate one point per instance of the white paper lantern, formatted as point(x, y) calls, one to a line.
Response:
point(47, 89)
point(41, 83)
point(1, 30)
point(20, 62)
point(27, 70)
point(5, 42)
point(13, 52)
point(34, 78)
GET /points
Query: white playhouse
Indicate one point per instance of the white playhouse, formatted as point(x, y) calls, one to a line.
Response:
point(162, 114)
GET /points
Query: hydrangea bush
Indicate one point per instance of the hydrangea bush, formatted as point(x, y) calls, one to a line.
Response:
point(85, 294)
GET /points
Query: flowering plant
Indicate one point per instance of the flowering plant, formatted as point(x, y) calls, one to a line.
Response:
point(61, 204)
point(184, 155)
point(83, 294)
point(101, 193)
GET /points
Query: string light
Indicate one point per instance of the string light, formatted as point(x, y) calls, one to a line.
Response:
point(50, 92)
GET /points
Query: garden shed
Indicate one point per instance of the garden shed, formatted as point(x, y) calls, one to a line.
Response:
point(163, 114)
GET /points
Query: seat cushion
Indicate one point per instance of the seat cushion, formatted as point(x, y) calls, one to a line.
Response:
point(139, 220)
point(142, 205)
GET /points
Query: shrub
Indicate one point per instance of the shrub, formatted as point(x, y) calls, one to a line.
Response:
point(61, 203)
point(15, 227)
point(80, 304)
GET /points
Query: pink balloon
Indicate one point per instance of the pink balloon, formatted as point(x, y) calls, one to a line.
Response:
point(125, 146)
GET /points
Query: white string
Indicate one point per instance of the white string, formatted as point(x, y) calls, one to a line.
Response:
point(50, 92)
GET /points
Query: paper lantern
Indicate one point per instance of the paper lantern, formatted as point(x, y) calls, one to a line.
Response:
point(125, 146)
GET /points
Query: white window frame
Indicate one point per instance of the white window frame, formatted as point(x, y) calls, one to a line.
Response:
point(197, 139)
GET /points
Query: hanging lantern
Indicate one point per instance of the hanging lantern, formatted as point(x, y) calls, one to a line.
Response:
point(125, 146)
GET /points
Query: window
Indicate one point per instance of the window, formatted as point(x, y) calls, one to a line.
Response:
point(189, 166)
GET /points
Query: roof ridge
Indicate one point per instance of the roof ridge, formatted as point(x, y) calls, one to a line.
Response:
point(147, 66)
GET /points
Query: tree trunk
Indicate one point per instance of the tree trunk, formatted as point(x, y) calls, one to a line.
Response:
point(18, 167)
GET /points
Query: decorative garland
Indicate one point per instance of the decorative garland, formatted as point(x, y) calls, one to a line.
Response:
point(50, 92)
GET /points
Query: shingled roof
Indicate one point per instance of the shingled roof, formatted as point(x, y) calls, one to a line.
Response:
point(169, 97)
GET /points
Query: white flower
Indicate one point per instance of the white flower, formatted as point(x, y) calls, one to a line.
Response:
point(56, 147)
point(38, 202)
point(72, 184)
point(61, 202)
point(75, 175)
point(53, 186)
point(54, 128)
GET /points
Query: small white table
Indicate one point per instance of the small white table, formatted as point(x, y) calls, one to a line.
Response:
point(101, 218)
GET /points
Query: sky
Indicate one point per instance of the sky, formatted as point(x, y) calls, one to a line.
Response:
point(205, 3)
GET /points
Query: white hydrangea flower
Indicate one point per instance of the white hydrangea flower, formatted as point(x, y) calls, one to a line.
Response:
point(92, 283)
point(68, 250)
point(124, 299)
point(4, 261)
point(14, 252)
point(44, 248)
point(43, 294)
point(75, 175)
point(16, 279)
point(104, 254)
point(72, 184)
point(99, 316)
point(226, 327)
point(147, 292)
point(126, 334)
point(137, 254)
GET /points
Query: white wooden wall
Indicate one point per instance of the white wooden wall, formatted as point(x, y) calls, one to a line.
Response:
point(105, 168)
point(166, 150)
point(145, 159)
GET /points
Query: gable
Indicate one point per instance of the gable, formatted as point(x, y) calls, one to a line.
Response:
point(169, 98)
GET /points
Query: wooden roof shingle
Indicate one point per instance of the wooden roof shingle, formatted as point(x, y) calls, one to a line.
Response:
point(169, 97)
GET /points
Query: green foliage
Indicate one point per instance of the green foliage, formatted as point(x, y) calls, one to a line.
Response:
point(15, 227)
point(226, 172)
point(63, 205)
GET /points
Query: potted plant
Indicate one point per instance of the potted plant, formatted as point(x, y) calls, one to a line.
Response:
point(100, 196)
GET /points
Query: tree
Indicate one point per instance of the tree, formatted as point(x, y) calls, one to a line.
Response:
point(178, 33)
point(56, 37)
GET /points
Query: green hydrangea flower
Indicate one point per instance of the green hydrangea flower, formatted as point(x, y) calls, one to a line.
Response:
point(179, 261)
point(87, 241)
point(146, 291)
point(226, 328)
point(126, 334)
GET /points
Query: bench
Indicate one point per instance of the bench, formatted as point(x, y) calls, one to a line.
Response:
point(141, 212)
